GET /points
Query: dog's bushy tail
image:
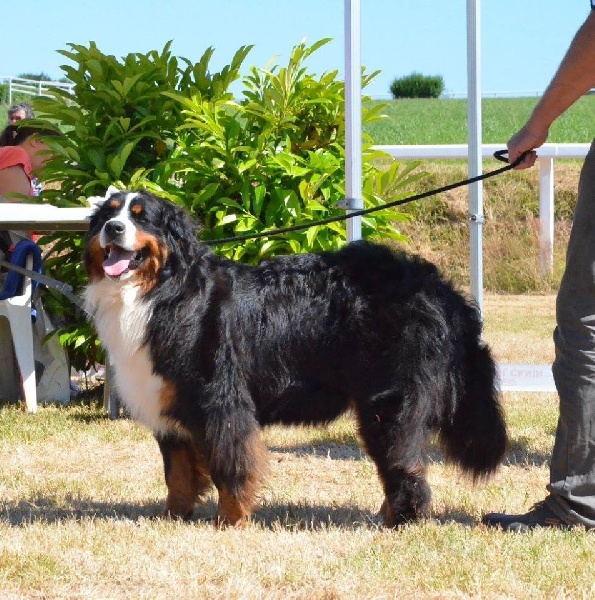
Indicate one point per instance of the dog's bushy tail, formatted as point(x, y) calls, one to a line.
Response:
point(474, 436)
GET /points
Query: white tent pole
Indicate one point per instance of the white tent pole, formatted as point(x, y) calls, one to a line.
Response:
point(474, 122)
point(353, 116)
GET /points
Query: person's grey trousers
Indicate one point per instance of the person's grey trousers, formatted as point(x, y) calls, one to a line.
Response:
point(572, 467)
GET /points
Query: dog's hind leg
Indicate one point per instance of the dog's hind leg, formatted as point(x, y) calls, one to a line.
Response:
point(397, 450)
point(186, 476)
point(407, 495)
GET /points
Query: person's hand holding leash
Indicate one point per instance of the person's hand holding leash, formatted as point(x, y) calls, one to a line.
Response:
point(525, 141)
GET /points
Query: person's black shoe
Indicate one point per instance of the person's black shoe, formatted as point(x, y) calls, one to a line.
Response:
point(540, 515)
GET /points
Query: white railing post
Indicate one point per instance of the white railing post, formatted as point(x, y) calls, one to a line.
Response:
point(353, 117)
point(33, 87)
point(474, 157)
point(546, 156)
point(546, 214)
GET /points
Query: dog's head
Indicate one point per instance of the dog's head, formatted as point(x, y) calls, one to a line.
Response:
point(138, 237)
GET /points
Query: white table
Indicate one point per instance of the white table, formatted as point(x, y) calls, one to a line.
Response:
point(45, 218)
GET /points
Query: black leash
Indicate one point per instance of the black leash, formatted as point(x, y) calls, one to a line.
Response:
point(67, 291)
point(498, 155)
point(49, 282)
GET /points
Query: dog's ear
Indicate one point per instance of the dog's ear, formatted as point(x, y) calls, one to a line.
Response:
point(111, 190)
point(97, 201)
point(182, 232)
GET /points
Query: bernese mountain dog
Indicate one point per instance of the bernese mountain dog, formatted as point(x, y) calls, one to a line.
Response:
point(206, 351)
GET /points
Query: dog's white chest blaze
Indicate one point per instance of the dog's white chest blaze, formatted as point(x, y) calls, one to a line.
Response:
point(120, 317)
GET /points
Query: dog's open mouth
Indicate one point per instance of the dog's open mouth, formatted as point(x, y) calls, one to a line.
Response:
point(119, 261)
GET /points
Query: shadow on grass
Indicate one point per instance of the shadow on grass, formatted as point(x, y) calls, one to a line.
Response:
point(321, 449)
point(346, 451)
point(302, 516)
point(520, 453)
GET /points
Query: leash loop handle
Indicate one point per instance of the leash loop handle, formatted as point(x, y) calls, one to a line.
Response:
point(502, 156)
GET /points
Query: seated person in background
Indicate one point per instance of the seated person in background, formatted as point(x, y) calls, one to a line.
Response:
point(25, 152)
point(18, 112)
point(21, 154)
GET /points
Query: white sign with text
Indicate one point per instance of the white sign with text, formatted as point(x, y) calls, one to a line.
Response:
point(526, 378)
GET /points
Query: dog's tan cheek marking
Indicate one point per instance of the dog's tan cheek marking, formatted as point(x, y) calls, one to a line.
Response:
point(230, 511)
point(96, 256)
point(148, 272)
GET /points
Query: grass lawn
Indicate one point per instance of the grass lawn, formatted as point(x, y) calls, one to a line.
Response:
point(444, 121)
point(79, 492)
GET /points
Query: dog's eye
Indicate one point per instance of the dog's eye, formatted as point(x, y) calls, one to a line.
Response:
point(136, 209)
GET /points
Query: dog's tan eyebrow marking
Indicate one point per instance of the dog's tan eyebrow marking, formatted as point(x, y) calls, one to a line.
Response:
point(115, 203)
point(136, 208)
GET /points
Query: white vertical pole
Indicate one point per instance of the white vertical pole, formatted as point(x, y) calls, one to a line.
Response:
point(353, 116)
point(475, 142)
point(546, 214)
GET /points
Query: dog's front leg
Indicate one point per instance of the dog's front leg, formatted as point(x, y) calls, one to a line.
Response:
point(186, 476)
point(237, 469)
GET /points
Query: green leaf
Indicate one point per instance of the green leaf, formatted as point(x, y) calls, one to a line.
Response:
point(226, 219)
point(270, 157)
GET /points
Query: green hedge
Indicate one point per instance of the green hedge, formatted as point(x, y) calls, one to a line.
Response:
point(417, 85)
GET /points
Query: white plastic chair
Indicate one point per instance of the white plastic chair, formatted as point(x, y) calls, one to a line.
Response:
point(16, 306)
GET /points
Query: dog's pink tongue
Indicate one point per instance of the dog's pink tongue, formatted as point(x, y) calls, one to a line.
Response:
point(117, 261)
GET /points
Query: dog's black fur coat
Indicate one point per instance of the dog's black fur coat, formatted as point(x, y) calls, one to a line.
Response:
point(300, 339)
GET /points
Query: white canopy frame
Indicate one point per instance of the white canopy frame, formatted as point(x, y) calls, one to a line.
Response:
point(353, 131)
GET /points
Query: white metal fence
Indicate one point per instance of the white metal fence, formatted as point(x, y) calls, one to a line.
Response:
point(546, 156)
point(32, 87)
point(514, 377)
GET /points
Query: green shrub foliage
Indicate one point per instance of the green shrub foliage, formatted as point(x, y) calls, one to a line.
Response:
point(417, 85)
point(269, 156)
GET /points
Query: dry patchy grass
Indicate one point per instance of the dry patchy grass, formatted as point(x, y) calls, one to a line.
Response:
point(519, 328)
point(79, 494)
point(439, 226)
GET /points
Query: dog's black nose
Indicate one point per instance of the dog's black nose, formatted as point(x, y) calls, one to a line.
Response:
point(114, 228)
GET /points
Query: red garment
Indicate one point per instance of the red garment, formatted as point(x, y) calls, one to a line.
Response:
point(12, 156)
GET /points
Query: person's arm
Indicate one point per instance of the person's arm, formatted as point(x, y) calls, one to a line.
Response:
point(14, 181)
point(573, 79)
